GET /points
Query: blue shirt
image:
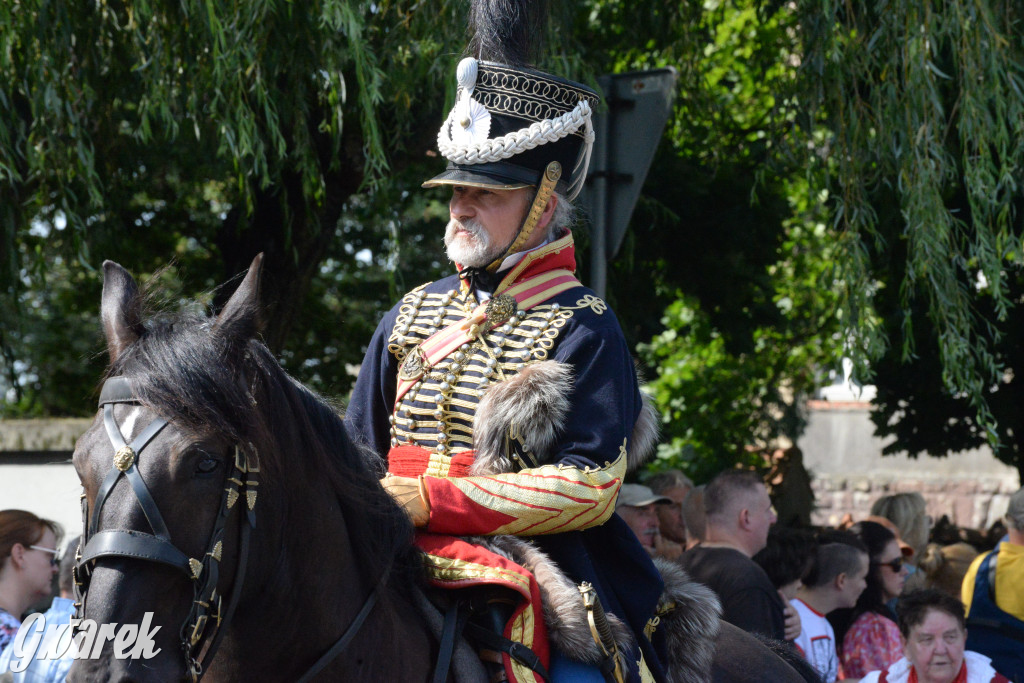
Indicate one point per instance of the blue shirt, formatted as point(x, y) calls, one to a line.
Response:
point(57, 622)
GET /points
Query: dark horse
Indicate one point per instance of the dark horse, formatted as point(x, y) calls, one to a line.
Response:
point(325, 531)
point(226, 499)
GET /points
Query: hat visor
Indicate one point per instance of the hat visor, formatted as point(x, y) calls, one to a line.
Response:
point(461, 176)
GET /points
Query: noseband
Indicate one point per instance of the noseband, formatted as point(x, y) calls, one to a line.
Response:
point(157, 547)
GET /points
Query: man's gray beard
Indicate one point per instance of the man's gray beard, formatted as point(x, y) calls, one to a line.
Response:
point(479, 253)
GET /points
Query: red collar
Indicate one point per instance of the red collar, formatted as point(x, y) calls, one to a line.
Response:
point(560, 254)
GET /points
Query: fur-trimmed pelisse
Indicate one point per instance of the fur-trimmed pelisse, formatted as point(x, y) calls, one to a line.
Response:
point(535, 402)
point(690, 621)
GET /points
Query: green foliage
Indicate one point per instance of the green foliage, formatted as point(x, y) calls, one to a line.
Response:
point(202, 130)
point(925, 110)
point(727, 268)
point(730, 381)
point(210, 130)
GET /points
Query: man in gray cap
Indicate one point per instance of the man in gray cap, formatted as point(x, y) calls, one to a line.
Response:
point(995, 628)
point(637, 505)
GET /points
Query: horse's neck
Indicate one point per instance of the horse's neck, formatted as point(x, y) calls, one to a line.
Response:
point(308, 592)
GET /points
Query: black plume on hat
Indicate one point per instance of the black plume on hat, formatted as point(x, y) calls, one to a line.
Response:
point(506, 31)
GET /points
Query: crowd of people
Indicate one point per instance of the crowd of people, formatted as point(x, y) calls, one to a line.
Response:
point(502, 401)
point(852, 600)
point(870, 601)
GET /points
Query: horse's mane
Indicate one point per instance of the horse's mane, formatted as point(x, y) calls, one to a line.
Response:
point(200, 377)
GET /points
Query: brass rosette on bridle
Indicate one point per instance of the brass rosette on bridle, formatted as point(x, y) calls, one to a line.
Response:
point(124, 458)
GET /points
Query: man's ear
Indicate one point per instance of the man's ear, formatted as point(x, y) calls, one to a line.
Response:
point(549, 211)
point(840, 581)
point(744, 519)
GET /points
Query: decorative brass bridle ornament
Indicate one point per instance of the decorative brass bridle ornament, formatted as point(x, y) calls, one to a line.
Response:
point(124, 458)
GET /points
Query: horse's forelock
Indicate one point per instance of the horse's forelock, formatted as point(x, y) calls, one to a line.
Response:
point(189, 375)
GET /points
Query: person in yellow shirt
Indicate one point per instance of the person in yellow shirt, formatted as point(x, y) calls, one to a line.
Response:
point(994, 600)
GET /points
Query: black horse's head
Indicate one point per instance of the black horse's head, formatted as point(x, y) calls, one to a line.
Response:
point(205, 459)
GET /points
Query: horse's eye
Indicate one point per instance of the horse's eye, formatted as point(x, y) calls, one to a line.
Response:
point(207, 465)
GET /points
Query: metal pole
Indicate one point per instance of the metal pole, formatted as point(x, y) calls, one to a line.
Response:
point(599, 221)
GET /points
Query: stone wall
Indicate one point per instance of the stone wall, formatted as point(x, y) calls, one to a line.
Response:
point(849, 472)
point(46, 435)
point(36, 472)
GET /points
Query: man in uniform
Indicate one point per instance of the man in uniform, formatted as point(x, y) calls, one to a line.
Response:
point(504, 397)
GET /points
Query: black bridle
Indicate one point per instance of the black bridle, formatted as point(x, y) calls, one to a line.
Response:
point(207, 606)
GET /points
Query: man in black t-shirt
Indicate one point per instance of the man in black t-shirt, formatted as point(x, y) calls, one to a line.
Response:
point(739, 514)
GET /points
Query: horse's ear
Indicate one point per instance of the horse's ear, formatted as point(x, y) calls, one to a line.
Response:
point(120, 309)
point(241, 314)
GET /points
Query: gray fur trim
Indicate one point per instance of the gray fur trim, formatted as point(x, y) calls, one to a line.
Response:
point(564, 614)
point(646, 433)
point(691, 629)
point(536, 401)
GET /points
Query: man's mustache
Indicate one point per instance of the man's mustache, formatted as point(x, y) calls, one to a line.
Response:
point(472, 226)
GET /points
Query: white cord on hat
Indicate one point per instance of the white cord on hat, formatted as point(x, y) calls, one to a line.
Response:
point(516, 142)
point(473, 125)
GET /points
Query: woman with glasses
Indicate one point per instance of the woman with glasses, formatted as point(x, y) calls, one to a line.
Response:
point(28, 561)
point(868, 632)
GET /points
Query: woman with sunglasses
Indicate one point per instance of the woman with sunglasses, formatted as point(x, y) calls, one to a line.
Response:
point(28, 561)
point(868, 632)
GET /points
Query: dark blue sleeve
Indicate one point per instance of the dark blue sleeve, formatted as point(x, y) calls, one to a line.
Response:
point(605, 400)
point(373, 396)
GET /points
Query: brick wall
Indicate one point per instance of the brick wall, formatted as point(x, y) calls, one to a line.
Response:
point(849, 472)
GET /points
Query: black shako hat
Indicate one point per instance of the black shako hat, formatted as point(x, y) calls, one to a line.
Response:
point(509, 123)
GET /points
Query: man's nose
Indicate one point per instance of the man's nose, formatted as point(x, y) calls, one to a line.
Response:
point(461, 207)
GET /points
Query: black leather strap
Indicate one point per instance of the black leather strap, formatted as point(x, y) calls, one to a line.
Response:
point(346, 637)
point(113, 430)
point(236, 594)
point(117, 390)
point(516, 651)
point(149, 508)
point(101, 497)
point(991, 560)
point(454, 622)
point(137, 545)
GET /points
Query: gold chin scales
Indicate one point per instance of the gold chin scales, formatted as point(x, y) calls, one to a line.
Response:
point(540, 201)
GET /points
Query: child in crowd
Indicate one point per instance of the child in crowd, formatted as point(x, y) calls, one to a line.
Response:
point(836, 579)
point(869, 637)
point(788, 555)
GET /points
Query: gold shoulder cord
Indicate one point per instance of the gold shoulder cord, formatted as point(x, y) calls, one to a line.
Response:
point(547, 185)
